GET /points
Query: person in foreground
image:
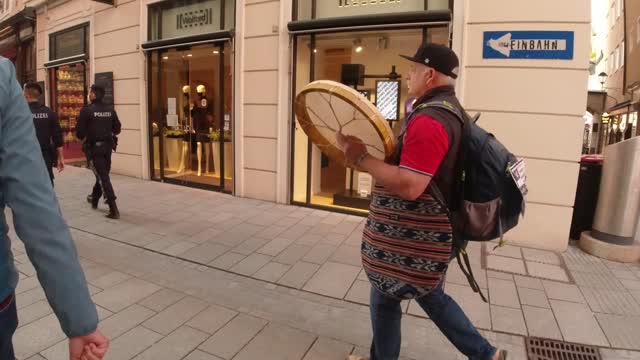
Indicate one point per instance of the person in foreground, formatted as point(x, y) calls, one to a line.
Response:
point(25, 188)
point(48, 129)
point(98, 123)
point(407, 242)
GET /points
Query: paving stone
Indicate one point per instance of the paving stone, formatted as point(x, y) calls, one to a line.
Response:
point(275, 246)
point(506, 264)
point(59, 351)
point(528, 282)
point(360, 292)
point(292, 254)
point(296, 231)
point(179, 248)
point(36, 357)
point(29, 297)
point(631, 284)
point(319, 254)
point(542, 256)
point(499, 275)
point(503, 293)
point(229, 340)
point(212, 319)
point(577, 323)
point(27, 284)
point(277, 342)
point(37, 336)
point(111, 279)
point(541, 322)
point(175, 346)
point(34, 312)
point(328, 349)
point(625, 274)
point(333, 279)
point(299, 274)
point(600, 280)
point(476, 309)
point(614, 354)
point(227, 261)
point(125, 320)
point(611, 302)
point(333, 239)
point(507, 250)
point(622, 331)
point(309, 240)
point(26, 268)
point(251, 264)
point(132, 343)
point(175, 315)
point(272, 232)
point(125, 294)
point(363, 276)
point(349, 255)
point(250, 245)
point(201, 355)
point(205, 253)
point(103, 313)
point(508, 320)
point(564, 292)
point(533, 297)
point(546, 271)
point(272, 272)
point(162, 299)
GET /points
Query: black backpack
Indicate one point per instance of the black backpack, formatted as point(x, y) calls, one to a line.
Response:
point(487, 200)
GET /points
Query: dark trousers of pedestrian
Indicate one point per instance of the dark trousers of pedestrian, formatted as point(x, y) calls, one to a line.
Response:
point(8, 326)
point(48, 162)
point(386, 315)
point(101, 166)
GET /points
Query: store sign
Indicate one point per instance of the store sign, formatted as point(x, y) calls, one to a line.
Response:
point(200, 18)
point(537, 45)
point(337, 8)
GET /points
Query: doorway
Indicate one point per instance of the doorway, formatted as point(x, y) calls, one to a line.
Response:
point(190, 115)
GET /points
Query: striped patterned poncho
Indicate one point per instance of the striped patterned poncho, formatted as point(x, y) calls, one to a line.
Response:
point(406, 245)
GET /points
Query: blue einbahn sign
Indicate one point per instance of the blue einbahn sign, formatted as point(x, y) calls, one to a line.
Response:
point(544, 45)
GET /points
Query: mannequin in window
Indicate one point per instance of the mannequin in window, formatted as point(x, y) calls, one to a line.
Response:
point(202, 114)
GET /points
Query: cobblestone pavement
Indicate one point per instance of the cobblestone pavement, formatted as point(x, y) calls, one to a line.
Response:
point(192, 274)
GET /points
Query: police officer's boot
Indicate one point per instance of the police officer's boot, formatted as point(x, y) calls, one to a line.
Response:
point(93, 201)
point(113, 210)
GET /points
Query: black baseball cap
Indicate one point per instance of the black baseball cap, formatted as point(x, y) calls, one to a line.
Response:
point(439, 57)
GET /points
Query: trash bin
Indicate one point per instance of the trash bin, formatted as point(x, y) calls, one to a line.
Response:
point(584, 206)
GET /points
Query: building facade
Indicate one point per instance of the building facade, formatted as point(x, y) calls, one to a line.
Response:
point(205, 88)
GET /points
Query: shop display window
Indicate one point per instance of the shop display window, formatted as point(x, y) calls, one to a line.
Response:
point(323, 9)
point(367, 61)
point(68, 96)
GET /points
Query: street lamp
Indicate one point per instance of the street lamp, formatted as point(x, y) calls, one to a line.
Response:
point(603, 78)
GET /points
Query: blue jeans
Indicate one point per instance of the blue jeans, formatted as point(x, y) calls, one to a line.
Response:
point(386, 314)
point(8, 325)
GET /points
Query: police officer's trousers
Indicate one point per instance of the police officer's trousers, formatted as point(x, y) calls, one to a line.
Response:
point(48, 162)
point(100, 159)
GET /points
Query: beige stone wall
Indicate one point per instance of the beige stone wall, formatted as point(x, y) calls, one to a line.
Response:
point(114, 46)
point(534, 107)
point(262, 153)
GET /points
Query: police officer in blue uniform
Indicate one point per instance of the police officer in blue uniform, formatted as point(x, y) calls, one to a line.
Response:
point(48, 129)
point(98, 125)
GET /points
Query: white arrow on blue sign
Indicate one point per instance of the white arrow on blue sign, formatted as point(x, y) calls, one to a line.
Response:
point(544, 45)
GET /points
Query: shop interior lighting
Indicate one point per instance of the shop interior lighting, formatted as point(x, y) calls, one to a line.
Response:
point(165, 58)
point(357, 45)
point(189, 55)
point(216, 52)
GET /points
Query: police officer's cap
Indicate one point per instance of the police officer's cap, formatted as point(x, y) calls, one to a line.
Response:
point(98, 90)
point(34, 86)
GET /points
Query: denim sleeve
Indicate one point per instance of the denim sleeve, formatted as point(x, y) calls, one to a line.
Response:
point(37, 218)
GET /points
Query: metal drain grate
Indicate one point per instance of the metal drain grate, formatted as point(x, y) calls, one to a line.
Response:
point(545, 349)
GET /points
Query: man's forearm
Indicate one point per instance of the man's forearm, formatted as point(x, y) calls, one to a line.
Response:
point(60, 153)
point(388, 175)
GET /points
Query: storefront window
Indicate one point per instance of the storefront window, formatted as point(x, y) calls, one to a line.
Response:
point(69, 43)
point(316, 179)
point(190, 115)
point(323, 9)
point(182, 18)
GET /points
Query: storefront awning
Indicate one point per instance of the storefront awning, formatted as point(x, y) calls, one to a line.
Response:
point(620, 108)
point(348, 23)
point(188, 40)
